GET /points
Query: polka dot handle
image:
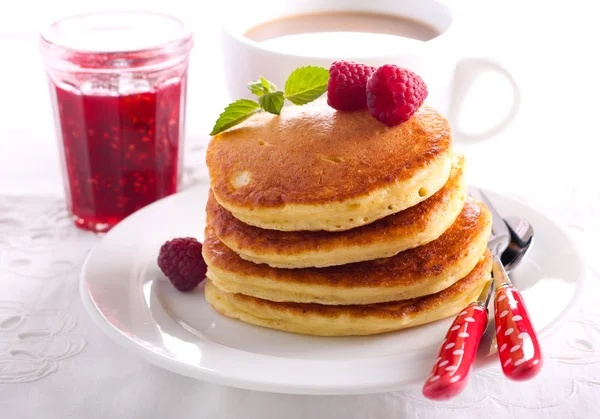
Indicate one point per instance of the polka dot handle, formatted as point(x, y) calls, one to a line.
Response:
point(518, 348)
point(455, 359)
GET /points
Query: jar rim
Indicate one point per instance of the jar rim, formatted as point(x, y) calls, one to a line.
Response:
point(121, 32)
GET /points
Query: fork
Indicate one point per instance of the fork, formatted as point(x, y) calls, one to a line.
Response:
point(518, 346)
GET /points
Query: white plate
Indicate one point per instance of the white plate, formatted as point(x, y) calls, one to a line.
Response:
point(128, 297)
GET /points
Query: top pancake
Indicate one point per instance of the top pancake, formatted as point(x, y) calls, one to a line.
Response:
point(314, 168)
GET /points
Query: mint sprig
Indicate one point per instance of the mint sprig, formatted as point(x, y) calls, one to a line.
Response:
point(304, 85)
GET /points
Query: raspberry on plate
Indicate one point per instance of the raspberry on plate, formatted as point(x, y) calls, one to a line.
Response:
point(394, 94)
point(346, 88)
point(182, 262)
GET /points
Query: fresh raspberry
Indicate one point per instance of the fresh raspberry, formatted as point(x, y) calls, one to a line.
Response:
point(346, 89)
point(394, 94)
point(181, 261)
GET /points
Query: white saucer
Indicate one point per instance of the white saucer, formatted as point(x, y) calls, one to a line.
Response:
point(130, 300)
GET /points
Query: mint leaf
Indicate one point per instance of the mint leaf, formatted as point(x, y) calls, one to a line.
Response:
point(272, 102)
point(305, 84)
point(261, 87)
point(235, 113)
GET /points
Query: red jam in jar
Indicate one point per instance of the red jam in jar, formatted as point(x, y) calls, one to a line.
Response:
point(120, 117)
point(121, 152)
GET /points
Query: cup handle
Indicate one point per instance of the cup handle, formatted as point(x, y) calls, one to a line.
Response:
point(467, 71)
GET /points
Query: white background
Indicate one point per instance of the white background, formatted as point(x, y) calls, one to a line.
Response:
point(549, 155)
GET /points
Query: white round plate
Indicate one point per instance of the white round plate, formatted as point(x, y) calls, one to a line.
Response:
point(131, 301)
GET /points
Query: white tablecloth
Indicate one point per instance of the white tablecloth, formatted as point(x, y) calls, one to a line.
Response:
point(55, 363)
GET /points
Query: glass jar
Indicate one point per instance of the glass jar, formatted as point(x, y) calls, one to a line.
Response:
point(118, 88)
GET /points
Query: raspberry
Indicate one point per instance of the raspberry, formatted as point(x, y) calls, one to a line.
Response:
point(394, 94)
point(346, 89)
point(181, 261)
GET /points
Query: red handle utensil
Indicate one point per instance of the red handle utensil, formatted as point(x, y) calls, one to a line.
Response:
point(455, 359)
point(518, 347)
point(452, 367)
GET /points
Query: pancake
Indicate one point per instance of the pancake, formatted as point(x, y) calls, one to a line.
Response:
point(413, 273)
point(324, 320)
point(314, 168)
point(407, 229)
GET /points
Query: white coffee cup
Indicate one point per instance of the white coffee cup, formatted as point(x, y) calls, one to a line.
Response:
point(448, 74)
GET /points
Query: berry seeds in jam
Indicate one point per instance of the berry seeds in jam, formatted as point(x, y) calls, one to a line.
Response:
point(121, 152)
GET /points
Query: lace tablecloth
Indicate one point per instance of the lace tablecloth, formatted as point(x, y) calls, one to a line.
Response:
point(55, 363)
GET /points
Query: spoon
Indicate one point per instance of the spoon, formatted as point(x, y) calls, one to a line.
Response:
point(521, 238)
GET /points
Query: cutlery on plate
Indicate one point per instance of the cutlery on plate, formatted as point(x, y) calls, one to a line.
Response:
point(518, 346)
point(452, 367)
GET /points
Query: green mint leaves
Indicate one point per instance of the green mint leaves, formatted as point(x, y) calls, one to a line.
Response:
point(304, 85)
point(235, 113)
point(261, 87)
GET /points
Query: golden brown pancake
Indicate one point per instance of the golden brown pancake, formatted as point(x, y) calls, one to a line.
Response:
point(415, 226)
point(314, 168)
point(413, 273)
point(346, 320)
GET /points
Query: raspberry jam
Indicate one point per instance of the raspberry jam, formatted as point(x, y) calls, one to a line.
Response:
point(121, 152)
point(119, 113)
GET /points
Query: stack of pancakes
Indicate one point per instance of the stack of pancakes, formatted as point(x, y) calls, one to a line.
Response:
point(330, 223)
